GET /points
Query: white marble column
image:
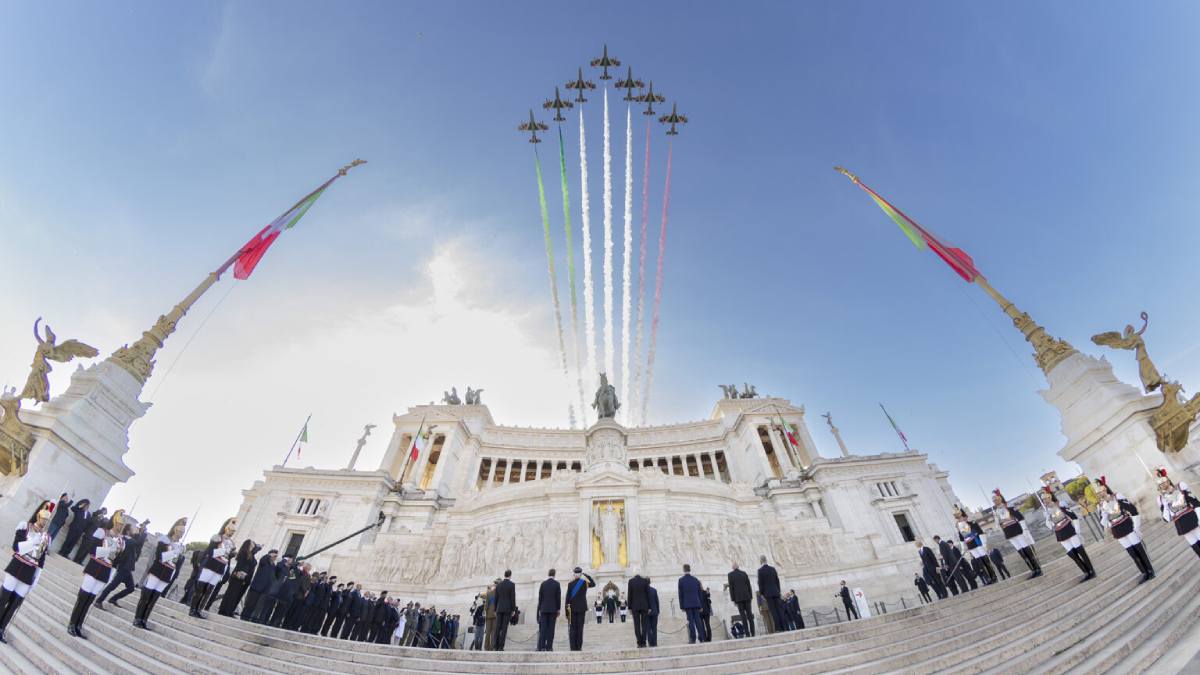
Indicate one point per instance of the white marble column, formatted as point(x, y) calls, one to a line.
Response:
point(492, 472)
point(712, 457)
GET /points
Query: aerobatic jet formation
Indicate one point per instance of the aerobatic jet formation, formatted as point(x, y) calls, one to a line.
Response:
point(650, 98)
point(582, 85)
point(557, 105)
point(629, 84)
point(673, 119)
point(533, 126)
point(605, 62)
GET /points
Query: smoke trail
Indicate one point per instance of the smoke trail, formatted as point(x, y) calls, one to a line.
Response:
point(658, 282)
point(627, 262)
point(589, 296)
point(634, 406)
point(566, 199)
point(608, 250)
point(562, 350)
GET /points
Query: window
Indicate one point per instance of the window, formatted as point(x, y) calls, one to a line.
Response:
point(906, 530)
point(295, 539)
point(765, 439)
point(895, 490)
point(308, 506)
point(576, 466)
point(546, 469)
point(435, 453)
point(485, 468)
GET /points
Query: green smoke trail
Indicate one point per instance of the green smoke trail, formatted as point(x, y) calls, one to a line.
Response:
point(562, 350)
point(566, 200)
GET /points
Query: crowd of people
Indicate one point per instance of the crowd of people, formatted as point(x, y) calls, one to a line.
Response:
point(285, 592)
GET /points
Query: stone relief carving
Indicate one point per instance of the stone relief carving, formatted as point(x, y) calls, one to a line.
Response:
point(484, 551)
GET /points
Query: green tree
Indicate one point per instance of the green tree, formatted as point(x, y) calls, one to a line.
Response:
point(1031, 503)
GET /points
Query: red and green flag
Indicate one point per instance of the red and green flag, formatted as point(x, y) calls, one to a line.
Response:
point(248, 256)
point(903, 438)
point(412, 456)
point(921, 237)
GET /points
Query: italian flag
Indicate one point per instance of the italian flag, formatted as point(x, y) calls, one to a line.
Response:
point(246, 259)
point(956, 258)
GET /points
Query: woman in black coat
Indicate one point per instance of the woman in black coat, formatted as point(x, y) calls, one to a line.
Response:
point(239, 578)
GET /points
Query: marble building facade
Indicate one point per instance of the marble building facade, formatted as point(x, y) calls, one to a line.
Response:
point(482, 497)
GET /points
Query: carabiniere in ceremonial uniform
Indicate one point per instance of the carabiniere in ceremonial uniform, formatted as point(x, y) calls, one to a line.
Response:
point(29, 557)
point(1179, 507)
point(168, 556)
point(97, 572)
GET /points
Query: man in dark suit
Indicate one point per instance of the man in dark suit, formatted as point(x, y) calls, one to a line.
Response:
point(652, 615)
point(335, 606)
point(577, 604)
point(506, 604)
point(791, 606)
point(89, 541)
point(848, 602)
point(952, 561)
point(690, 602)
point(768, 585)
point(706, 613)
point(548, 607)
point(260, 583)
point(639, 603)
point(62, 511)
point(922, 588)
point(82, 512)
point(998, 562)
point(742, 595)
point(380, 635)
point(126, 561)
point(929, 565)
point(344, 622)
point(266, 603)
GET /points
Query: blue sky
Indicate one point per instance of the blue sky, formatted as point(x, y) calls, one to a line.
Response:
point(141, 143)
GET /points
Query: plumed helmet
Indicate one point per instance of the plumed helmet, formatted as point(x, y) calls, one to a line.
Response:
point(176, 531)
point(117, 520)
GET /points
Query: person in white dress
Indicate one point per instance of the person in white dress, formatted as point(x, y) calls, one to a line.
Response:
point(1012, 524)
point(1061, 519)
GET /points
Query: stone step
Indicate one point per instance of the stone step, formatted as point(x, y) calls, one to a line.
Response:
point(1062, 625)
point(180, 609)
point(946, 635)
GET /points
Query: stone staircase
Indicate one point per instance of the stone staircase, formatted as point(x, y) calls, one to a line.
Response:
point(1049, 625)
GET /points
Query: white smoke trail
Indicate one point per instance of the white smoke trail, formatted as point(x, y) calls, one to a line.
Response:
point(589, 297)
point(626, 264)
point(608, 250)
point(634, 403)
point(658, 284)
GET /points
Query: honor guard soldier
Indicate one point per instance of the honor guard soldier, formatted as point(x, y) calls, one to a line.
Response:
point(168, 555)
point(97, 572)
point(1061, 519)
point(1120, 516)
point(214, 564)
point(30, 542)
point(1012, 524)
point(1178, 506)
point(971, 535)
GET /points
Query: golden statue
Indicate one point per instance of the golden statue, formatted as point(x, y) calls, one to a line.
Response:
point(1132, 340)
point(1172, 419)
point(37, 387)
point(16, 437)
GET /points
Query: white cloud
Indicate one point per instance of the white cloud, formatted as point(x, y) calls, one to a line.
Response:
point(232, 406)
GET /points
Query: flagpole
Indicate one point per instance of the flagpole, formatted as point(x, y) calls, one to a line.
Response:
point(293, 448)
point(895, 428)
point(793, 452)
point(138, 358)
point(408, 458)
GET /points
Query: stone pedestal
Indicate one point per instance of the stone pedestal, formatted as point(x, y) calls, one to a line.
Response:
point(81, 437)
point(1106, 422)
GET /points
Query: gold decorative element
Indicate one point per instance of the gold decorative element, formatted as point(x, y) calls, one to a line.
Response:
point(1048, 350)
point(1171, 420)
point(37, 386)
point(1132, 340)
point(608, 523)
point(16, 437)
point(138, 359)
